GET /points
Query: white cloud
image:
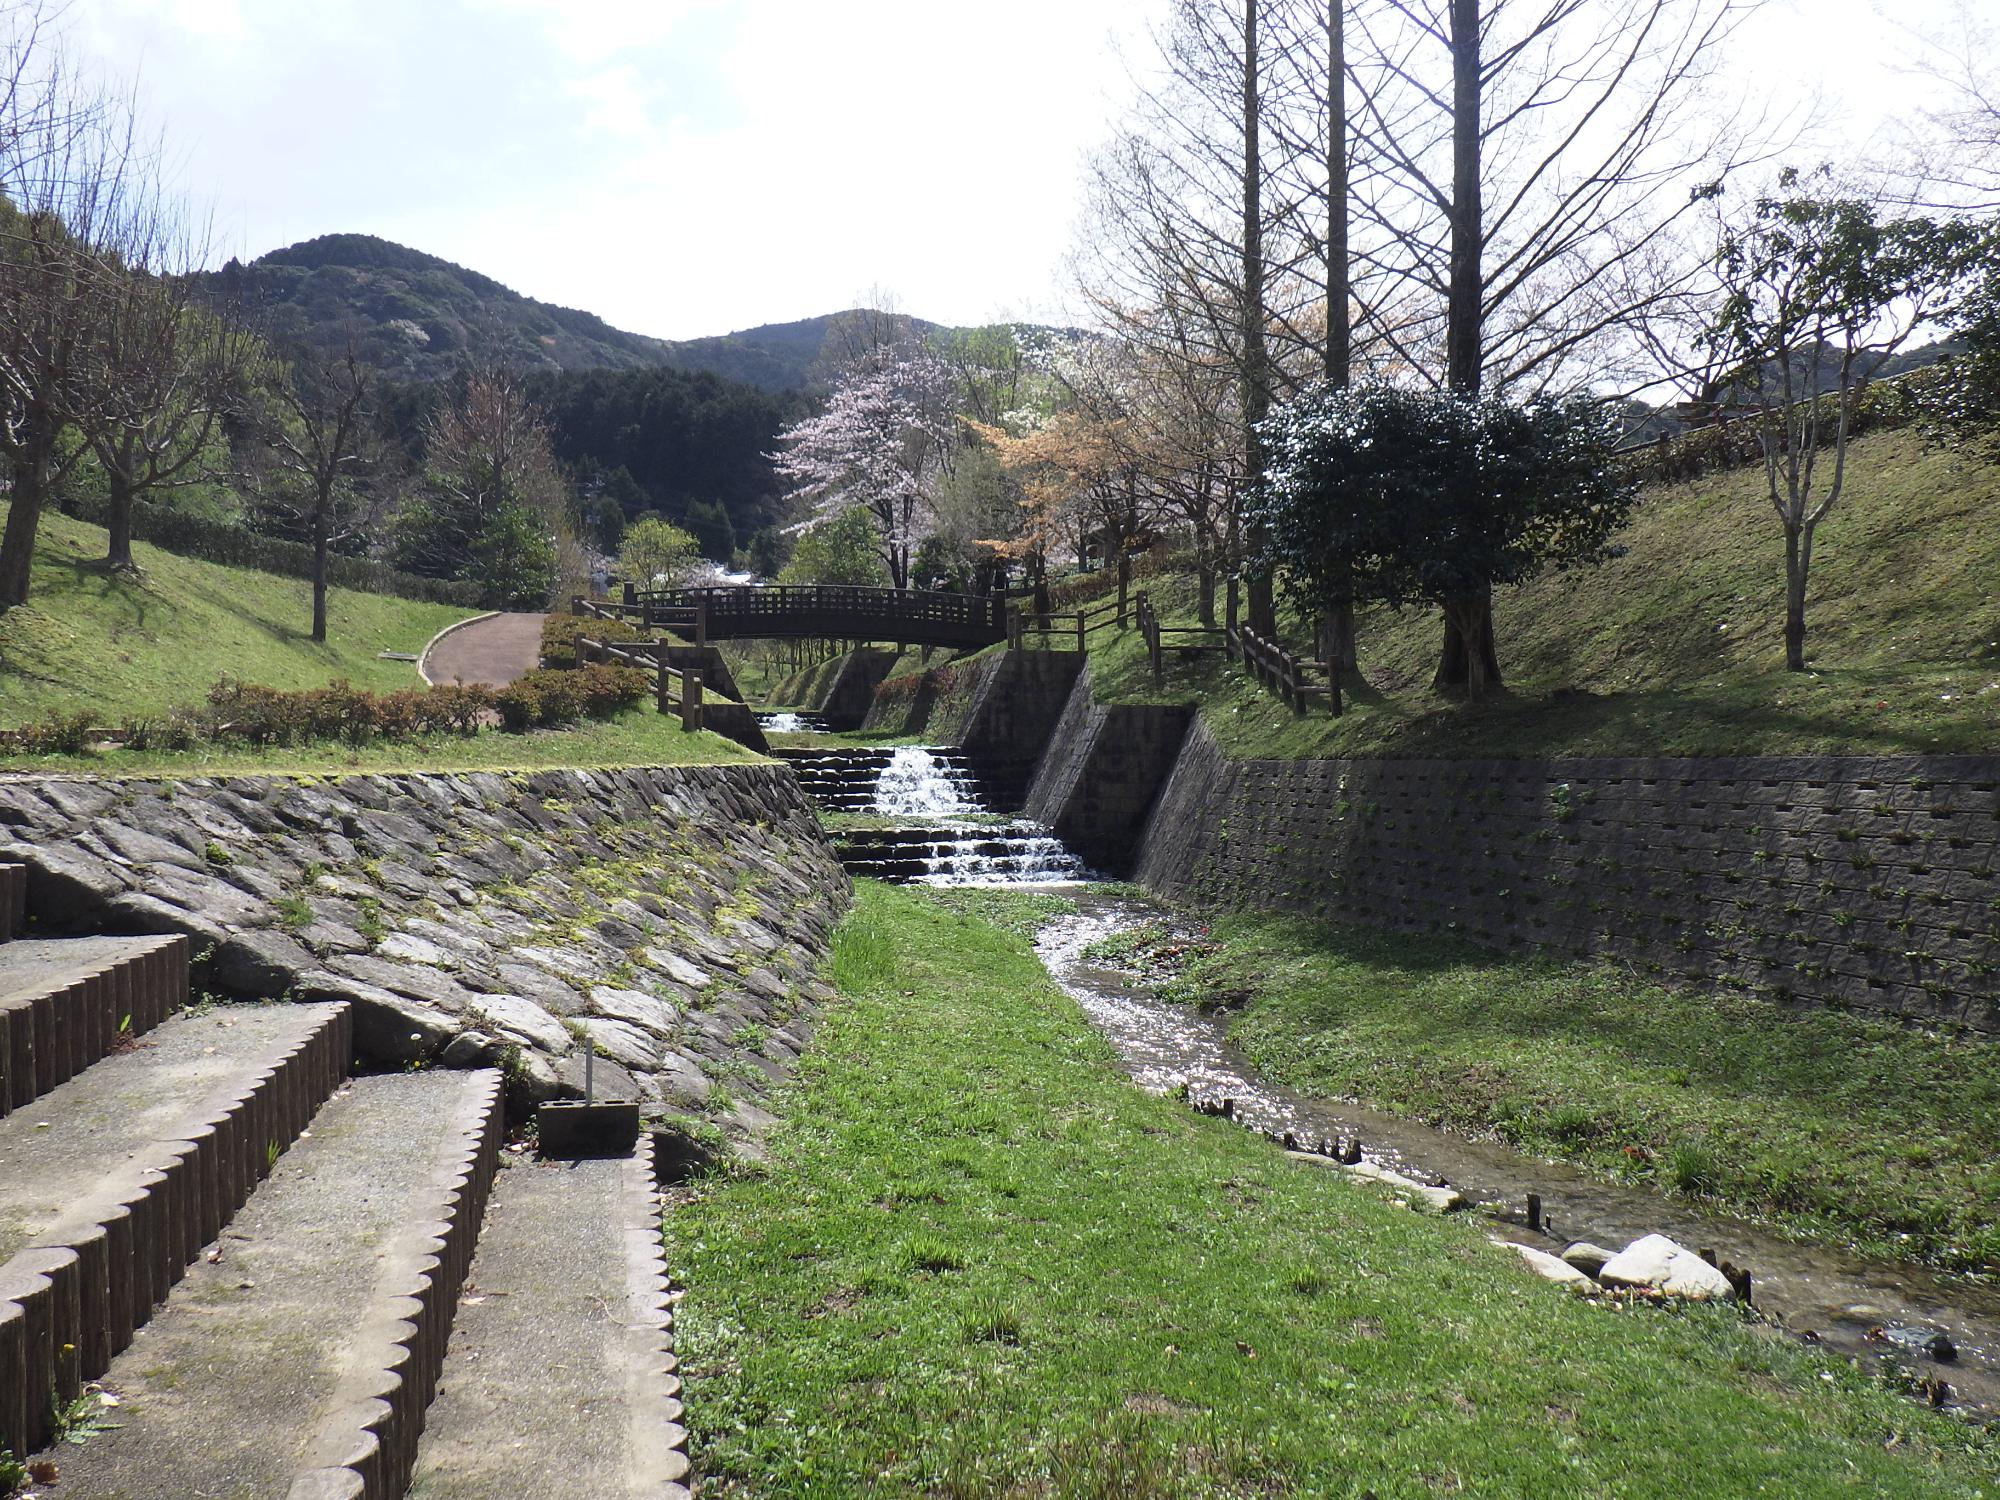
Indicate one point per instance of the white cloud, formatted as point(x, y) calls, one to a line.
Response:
point(690, 166)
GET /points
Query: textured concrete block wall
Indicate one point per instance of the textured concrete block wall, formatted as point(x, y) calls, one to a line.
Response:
point(1863, 882)
point(1103, 767)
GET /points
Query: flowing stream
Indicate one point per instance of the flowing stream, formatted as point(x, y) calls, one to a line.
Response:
point(1875, 1310)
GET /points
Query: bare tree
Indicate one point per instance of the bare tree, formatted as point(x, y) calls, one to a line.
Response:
point(163, 370)
point(1961, 155)
point(77, 194)
point(1536, 160)
point(321, 438)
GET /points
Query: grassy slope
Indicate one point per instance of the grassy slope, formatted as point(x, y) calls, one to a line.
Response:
point(89, 640)
point(981, 1263)
point(1832, 1126)
point(1675, 648)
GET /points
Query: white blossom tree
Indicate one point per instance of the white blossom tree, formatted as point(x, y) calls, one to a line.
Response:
point(882, 444)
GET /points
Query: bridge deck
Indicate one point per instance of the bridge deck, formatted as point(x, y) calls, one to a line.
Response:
point(820, 611)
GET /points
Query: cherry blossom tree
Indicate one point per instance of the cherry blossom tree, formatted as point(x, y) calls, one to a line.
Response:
point(882, 444)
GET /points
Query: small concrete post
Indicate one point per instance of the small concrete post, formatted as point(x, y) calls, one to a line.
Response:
point(691, 698)
point(589, 1072)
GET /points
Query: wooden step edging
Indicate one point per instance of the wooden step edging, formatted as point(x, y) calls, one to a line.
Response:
point(46, 1039)
point(13, 901)
point(652, 1380)
point(70, 1301)
point(367, 1444)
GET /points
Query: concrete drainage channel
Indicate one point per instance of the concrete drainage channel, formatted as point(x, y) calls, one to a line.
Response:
point(224, 1261)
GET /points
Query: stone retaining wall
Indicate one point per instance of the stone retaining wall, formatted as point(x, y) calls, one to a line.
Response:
point(677, 916)
point(1103, 767)
point(1862, 882)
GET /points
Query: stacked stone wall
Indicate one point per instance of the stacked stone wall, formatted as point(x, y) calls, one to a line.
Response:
point(1104, 765)
point(1862, 882)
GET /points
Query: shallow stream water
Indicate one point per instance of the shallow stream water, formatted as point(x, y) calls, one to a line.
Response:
point(1850, 1304)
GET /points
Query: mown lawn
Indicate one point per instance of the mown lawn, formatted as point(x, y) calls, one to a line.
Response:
point(1675, 647)
point(1830, 1126)
point(119, 647)
point(979, 1262)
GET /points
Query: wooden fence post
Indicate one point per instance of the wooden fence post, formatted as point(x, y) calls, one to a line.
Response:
point(631, 594)
point(663, 695)
point(691, 698)
point(701, 621)
point(1079, 633)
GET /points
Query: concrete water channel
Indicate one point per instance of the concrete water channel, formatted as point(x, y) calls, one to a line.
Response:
point(1883, 1313)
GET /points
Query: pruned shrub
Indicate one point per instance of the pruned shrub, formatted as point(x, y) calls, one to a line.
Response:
point(560, 633)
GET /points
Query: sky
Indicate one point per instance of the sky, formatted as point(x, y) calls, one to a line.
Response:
point(687, 167)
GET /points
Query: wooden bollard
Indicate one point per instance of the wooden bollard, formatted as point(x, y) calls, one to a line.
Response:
point(631, 594)
point(1351, 1154)
point(1535, 1212)
point(663, 687)
point(691, 698)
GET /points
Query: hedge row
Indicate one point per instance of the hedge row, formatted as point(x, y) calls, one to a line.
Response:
point(271, 716)
point(233, 547)
point(560, 633)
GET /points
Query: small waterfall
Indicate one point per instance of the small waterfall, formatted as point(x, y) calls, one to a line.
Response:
point(916, 784)
point(786, 723)
point(1021, 854)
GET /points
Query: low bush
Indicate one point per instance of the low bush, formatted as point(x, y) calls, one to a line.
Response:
point(347, 714)
point(560, 633)
point(556, 696)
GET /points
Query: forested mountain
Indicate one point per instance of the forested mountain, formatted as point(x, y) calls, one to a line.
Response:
point(417, 317)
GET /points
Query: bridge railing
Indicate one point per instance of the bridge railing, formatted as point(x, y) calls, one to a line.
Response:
point(841, 610)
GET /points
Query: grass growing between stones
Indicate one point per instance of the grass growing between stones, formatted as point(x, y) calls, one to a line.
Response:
point(640, 736)
point(1830, 1126)
point(980, 1262)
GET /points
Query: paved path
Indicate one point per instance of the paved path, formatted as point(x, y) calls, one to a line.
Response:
point(492, 651)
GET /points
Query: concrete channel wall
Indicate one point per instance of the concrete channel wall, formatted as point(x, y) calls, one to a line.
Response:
point(1865, 882)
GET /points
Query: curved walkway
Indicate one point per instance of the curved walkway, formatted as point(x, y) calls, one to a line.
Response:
point(492, 651)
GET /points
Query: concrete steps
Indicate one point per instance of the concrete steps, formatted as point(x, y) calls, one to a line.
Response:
point(115, 1180)
point(66, 1002)
point(299, 1354)
point(560, 1379)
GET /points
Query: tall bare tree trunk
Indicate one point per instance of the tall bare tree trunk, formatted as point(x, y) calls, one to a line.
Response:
point(24, 517)
point(118, 520)
point(1256, 358)
point(1468, 658)
point(322, 549)
point(1798, 560)
point(1337, 630)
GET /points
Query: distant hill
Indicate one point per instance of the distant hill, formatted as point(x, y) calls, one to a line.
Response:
point(417, 318)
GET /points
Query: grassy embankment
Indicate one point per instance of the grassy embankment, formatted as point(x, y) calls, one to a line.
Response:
point(1829, 1126)
point(979, 1262)
point(120, 648)
point(1675, 648)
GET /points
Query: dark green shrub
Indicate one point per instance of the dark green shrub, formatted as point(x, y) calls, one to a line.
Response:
point(520, 703)
point(560, 633)
point(457, 709)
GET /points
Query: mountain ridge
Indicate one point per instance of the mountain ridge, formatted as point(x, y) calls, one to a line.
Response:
point(417, 316)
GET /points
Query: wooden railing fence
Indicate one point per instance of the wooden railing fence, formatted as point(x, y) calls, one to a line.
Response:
point(1296, 679)
point(674, 688)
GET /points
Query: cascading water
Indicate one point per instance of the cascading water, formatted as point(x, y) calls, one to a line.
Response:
point(917, 784)
point(788, 722)
point(948, 835)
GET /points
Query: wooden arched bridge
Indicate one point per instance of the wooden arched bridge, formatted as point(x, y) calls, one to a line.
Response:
point(916, 617)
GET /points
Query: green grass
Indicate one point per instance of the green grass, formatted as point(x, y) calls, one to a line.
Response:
point(979, 1262)
point(637, 737)
point(118, 646)
point(1829, 1126)
point(1675, 648)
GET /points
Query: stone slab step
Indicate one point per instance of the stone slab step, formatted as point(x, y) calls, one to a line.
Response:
point(564, 1328)
point(113, 1182)
point(298, 1355)
point(65, 1002)
point(13, 901)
